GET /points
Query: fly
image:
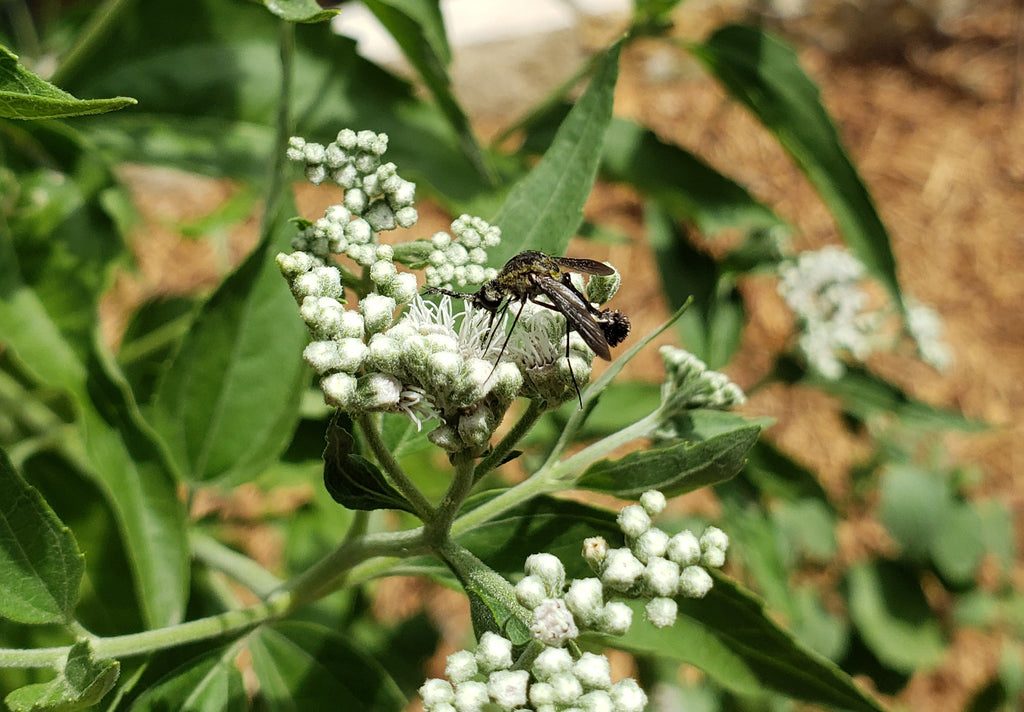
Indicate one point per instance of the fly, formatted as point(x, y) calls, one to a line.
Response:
point(532, 274)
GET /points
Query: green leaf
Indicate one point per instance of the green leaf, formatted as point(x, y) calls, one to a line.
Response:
point(353, 481)
point(866, 396)
point(302, 666)
point(728, 635)
point(555, 526)
point(892, 615)
point(229, 401)
point(124, 458)
point(299, 10)
point(40, 564)
point(711, 327)
point(544, 209)
point(913, 507)
point(679, 182)
point(23, 95)
point(418, 27)
point(777, 474)
point(808, 526)
point(80, 684)
point(763, 73)
point(958, 546)
point(674, 470)
point(208, 683)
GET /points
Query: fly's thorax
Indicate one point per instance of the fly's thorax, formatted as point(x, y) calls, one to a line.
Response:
point(490, 296)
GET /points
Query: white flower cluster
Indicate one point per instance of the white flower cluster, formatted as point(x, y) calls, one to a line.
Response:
point(823, 289)
point(373, 190)
point(925, 327)
point(487, 680)
point(654, 565)
point(689, 383)
point(538, 346)
point(459, 260)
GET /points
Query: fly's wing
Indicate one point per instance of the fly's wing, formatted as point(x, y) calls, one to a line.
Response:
point(576, 311)
point(584, 266)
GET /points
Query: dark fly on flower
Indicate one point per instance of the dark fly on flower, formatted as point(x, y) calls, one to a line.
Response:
point(531, 275)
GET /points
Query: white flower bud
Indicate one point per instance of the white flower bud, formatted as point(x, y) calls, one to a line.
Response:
point(653, 502)
point(714, 538)
point(359, 232)
point(446, 438)
point(346, 138)
point(350, 325)
point(596, 701)
point(621, 570)
point(318, 282)
point(553, 624)
point(296, 263)
point(339, 390)
point(443, 369)
point(593, 671)
point(380, 216)
point(351, 354)
point(382, 272)
point(585, 599)
point(507, 688)
point(530, 591)
point(435, 692)
point(651, 544)
point(474, 274)
point(378, 312)
point(695, 582)
point(385, 353)
point(542, 695)
point(335, 156)
point(713, 558)
point(601, 288)
point(595, 549)
point(345, 176)
point(378, 391)
point(313, 152)
point(566, 688)
point(322, 356)
point(683, 548)
point(662, 612)
point(406, 216)
point(633, 520)
point(440, 240)
point(355, 200)
point(661, 576)
point(438, 342)
point(471, 696)
point(315, 173)
point(404, 287)
point(627, 696)
point(551, 662)
point(616, 619)
point(461, 666)
point(549, 569)
point(506, 382)
point(295, 151)
point(493, 653)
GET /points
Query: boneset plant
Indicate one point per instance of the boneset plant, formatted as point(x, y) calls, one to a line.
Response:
point(119, 591)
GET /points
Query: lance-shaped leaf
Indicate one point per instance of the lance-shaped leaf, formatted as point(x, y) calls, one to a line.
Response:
point(492, 600)
point(40, 565)
point(228, 403)
point(729, 635)
point(81, 684)
point(544, 209)
point(302, 666)
point(208, 683)
point(23, 95)
point(351, 479)
point(299, 10)
point(674, 470)
point(763, 73)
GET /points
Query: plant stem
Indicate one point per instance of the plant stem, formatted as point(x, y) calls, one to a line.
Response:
point(235, 565)
point(396, 475)
point(437, 528)
point(275, 187)
point(90, 38)
point(503, 448)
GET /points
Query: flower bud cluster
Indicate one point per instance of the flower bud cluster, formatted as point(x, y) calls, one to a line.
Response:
point(373, 190)
point(538, 346)
point(823, 288)
point(555, 682)
point(460, 260)
point(690, 384)
point(654, 565)
point(925, 327)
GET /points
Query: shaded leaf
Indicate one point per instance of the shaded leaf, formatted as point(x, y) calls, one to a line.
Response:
point(302, 666)
point(958, 546)
point(892, 615)
point(544, 209)
point(763, 73)
point(728, 635)
point(673, 470)
point(229, 401)
point(23, 95)
point(208, 683)
point(299, 10)
point(352, 480)
point(40, 564)
point(913, 507)
point(777, 474)
point(81, 684)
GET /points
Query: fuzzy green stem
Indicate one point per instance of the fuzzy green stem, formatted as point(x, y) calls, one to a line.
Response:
point(233, 564)
point(462, 482)
point(533, 413)
point(396, 475)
